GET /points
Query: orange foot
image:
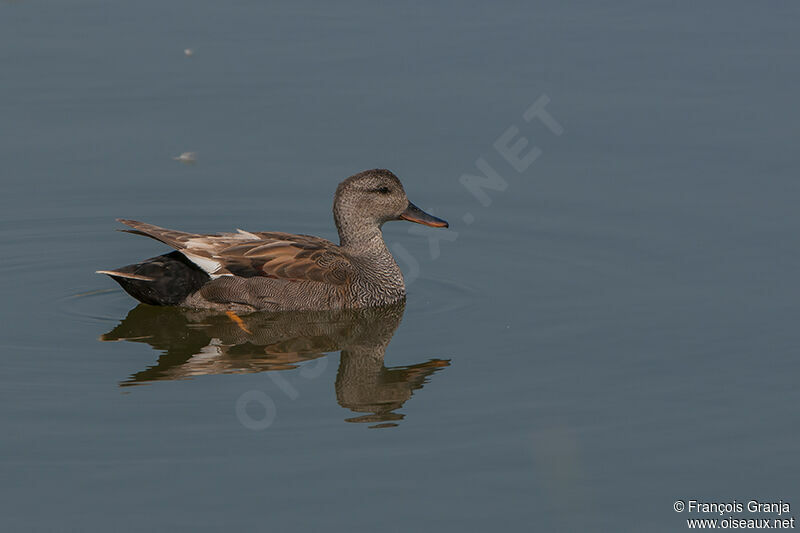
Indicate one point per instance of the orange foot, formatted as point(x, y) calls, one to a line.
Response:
point(238, 321)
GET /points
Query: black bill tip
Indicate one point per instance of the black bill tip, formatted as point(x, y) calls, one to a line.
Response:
point(415, 214)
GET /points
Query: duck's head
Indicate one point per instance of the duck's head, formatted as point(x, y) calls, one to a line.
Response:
point(365, 201)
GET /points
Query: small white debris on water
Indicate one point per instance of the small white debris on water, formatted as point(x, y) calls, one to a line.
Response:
point(188, 52)
point(187, 157)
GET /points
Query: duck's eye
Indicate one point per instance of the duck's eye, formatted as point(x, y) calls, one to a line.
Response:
point(382, 190)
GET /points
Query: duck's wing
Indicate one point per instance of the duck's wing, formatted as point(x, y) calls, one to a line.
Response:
point(287, 256)
point(245, 254)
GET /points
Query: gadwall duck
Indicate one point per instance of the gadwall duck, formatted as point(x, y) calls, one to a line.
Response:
point(273, 271)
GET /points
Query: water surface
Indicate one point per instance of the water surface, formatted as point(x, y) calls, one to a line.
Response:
point(614, 331)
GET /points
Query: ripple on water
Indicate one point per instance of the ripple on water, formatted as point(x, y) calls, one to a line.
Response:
point(50, 265)
point(95, 306)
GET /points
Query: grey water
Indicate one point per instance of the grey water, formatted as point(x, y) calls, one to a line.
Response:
point(605, 328)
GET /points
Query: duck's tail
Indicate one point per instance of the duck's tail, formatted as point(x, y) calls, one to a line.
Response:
point(163, 280)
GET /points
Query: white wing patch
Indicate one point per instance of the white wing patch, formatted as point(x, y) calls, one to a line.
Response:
point(208, 265)
point(202, 251)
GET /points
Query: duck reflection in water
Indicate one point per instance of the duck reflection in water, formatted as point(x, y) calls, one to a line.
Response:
point(198, 342)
